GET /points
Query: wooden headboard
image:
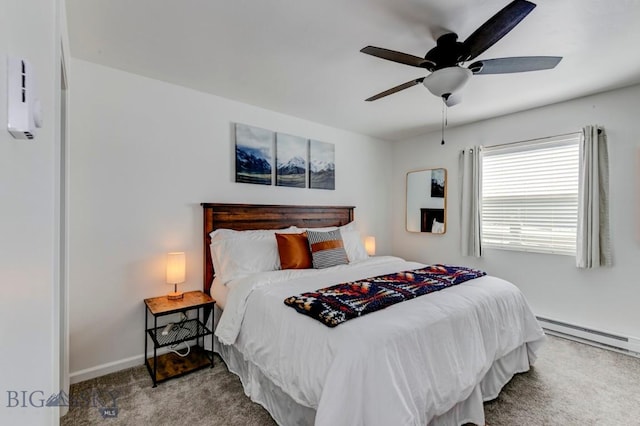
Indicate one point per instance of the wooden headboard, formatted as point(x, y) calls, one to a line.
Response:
point(242, 217)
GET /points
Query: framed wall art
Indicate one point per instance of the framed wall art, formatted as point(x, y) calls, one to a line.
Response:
point(322, 168)
point(254, 154)
point(291, 161)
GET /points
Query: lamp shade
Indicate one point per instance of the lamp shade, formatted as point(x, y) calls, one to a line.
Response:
point(370, 245)
point(447, 81)
point(176, 265)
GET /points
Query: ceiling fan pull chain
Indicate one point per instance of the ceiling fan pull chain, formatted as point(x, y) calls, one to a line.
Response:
point(444, 119)
point(446, 115)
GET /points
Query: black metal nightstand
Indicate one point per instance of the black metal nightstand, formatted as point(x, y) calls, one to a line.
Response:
point(170, 365)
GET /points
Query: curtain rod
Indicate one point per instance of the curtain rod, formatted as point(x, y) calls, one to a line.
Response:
point(536, 139)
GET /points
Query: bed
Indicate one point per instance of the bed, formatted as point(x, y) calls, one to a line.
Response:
point(431, 360)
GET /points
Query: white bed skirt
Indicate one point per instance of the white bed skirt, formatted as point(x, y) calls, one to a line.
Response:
point(285, 411)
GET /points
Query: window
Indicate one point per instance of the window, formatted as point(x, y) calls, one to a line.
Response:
point(530, 195)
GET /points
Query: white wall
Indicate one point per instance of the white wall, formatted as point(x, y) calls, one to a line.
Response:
point(29, 317)
point(606, 299)
point(144, 155)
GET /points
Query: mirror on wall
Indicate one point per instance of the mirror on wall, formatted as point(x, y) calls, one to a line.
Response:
point(427, 201)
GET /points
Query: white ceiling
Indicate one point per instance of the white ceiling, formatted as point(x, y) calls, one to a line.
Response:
point(302, 58)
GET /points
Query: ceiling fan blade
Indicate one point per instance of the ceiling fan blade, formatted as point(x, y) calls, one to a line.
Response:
point(392, 55)
point(514, 64)
point(396, 89)
point(496, 27)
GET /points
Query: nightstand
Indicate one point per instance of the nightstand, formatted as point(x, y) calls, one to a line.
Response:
point(189, 329)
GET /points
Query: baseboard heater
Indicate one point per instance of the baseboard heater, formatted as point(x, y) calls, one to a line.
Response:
point(624, 344)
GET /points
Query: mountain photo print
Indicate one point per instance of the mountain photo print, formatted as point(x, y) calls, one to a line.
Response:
point(291, 163)
point(322, 168)
point(254, 153)
point(437, 183)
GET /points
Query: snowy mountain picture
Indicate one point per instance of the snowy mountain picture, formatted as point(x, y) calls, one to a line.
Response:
point(295, 161)
point(437, 183)
point(291, 163)
point(254, 148)
point(322, 169)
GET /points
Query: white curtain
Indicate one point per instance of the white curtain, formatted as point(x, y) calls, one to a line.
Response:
point(470, 201)
point(593, 243)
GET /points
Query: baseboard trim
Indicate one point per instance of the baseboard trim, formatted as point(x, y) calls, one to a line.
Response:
point(101, 370)
point(110, 367)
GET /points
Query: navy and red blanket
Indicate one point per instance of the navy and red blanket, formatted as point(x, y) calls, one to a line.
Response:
point(339, 303)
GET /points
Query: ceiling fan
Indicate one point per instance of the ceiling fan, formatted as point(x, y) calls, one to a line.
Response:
point(444, 61)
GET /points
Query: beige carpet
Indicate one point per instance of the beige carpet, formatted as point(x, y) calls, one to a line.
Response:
point(571, 384)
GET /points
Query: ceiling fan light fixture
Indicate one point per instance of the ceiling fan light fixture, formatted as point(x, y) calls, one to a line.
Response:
point(451, 99)
point(446, 81)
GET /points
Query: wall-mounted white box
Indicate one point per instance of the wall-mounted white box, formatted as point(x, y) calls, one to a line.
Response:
point(24, 110)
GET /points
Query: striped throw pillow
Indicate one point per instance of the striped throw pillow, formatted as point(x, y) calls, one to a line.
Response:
point(327, 249)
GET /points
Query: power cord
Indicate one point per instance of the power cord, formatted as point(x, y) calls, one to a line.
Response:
point(179, 328)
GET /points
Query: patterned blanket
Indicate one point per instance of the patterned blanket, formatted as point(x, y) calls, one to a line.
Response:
point(339, 303)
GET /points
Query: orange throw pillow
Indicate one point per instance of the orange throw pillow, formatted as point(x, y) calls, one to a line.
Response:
point(294, 251)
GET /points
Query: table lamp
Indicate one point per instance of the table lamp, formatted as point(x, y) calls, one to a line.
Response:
point(370, 245)
point(176, 263)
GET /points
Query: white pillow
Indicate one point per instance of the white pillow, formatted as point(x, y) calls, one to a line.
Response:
point(437, 227)
point(238, 253)
point(353, 245)
point(351, 226)
point(226, 234)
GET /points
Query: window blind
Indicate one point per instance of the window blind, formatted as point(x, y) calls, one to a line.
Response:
point(530, 195)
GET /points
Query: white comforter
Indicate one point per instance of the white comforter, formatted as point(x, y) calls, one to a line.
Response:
point(404, 365)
